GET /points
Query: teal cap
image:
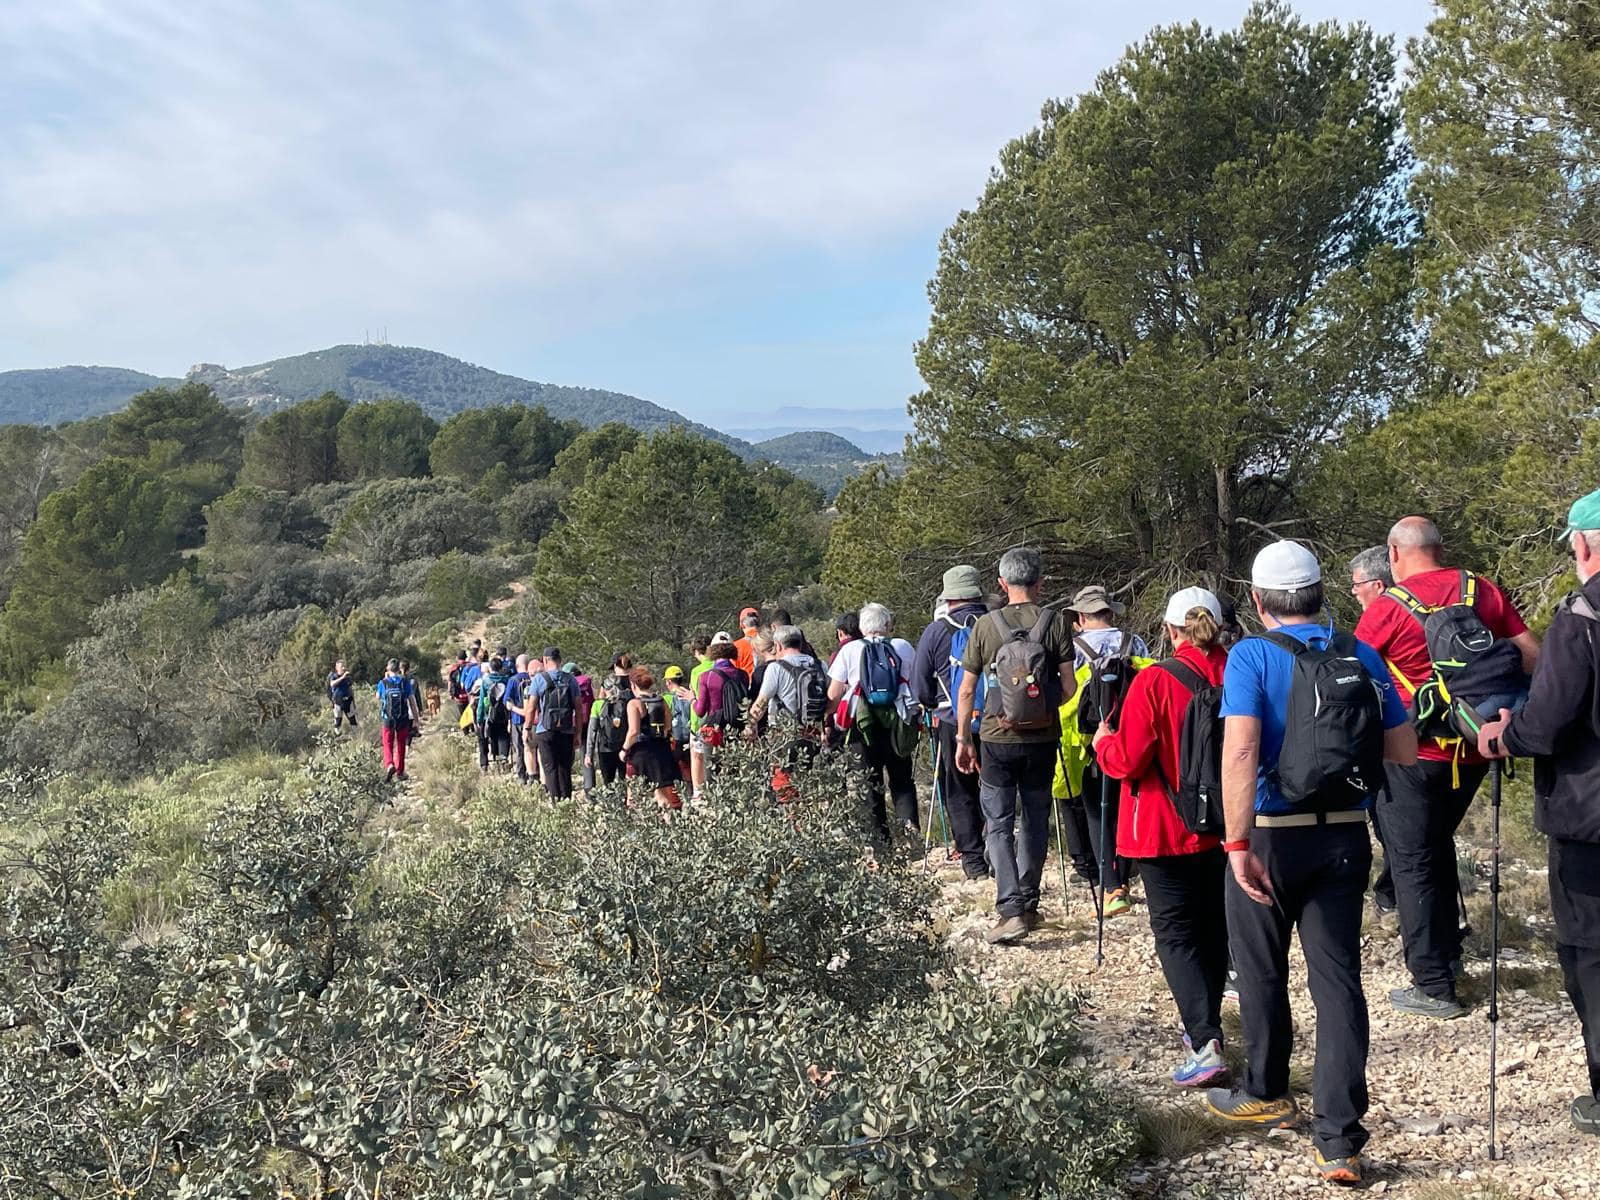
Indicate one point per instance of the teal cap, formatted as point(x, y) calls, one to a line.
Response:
point(1584, 515)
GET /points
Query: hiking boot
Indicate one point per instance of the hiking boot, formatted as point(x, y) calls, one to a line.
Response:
point(1418, 1003)
point(1342, 1169)
point(1032, 919)
point(389, 775)
point(1586, 1115)
point(1241, 1108)
point(1384, 906)
point(1203, 1066)
point(1117, 902)
point(1006, 931)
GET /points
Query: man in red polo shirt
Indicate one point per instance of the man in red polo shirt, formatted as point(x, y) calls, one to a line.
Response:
point(1425, 802)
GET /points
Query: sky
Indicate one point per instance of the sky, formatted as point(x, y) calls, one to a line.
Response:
point(730, 209)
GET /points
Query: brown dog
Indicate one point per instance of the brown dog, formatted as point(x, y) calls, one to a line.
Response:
point(434, 700)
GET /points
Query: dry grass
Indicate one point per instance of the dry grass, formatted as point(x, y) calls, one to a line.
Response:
point(1173, 1132)
point(1477, 1189)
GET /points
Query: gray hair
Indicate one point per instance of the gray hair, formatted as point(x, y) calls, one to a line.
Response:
point(788, 637)
point(1021, 567)
point(876, 620)
point(1592, 538)
point(1288, 603)
point(1415, 533)
point(1373, 562)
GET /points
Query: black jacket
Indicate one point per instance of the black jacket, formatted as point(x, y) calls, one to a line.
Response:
point(1559, 728)
point(930, 673)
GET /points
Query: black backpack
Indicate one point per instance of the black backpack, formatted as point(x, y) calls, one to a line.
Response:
point(614, 699)
point(1109, 676)
point(654, 725)
point(1197, 797)
point(1469, 663)
point(811, 690)
point(1332, 755)
point(555, 703)
point(396, 710)
point(729, 713)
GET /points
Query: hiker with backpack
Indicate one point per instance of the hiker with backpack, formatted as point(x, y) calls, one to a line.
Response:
point(477, 664)
point(780, 616)
point(1103, 657)
point(721, 698)
point(765, 650)
point(936, 675)
point(1424, 802)
point(398, 714)
point(1167, 750)
point(647, 746)
point(551, 705)
point(1559, 729)
point(454, 688)
point(491, 719)
point(1309, 719)
point(680, 705)
point(342, 694)
point(700, 649)
point(1023, 654)
point(1370, 577)
point(516, 703)
point(608, 721)
point(794, 690)
point(869, 684)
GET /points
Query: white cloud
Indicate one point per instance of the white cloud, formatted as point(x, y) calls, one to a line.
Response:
point(233, 179)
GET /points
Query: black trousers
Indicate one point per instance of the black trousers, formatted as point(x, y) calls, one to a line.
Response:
point(960, 793)
point(1185, 896)
point(555, 762)
point(1420, 811)
point(609, 764)
point(1113, 870)
point(1383, 885)
point(1319, 879)
point(873, 759)
point(1580, 972)
point(493, 741)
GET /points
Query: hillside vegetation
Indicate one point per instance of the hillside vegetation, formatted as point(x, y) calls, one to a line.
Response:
point(56, 394)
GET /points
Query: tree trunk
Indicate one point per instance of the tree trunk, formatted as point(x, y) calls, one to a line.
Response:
point(1226, 545)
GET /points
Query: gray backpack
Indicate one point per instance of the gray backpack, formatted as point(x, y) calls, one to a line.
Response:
point(1023, 688)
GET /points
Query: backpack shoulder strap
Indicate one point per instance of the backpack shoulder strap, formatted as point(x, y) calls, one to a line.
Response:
point(1402, 596)
point(1283, 641)
point(1469, 589)
point(1183, 673)
point(1089, 651)
point(1042, 625)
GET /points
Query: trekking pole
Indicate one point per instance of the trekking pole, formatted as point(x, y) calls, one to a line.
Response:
point(1494, 947)
point(938, 754)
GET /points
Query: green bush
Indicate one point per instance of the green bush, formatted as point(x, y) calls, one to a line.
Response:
point(554, 1001)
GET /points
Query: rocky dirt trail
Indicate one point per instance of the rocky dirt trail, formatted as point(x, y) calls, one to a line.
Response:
point(1428, 1079)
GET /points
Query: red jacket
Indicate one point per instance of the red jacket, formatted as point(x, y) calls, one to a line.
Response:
point(1151, 724)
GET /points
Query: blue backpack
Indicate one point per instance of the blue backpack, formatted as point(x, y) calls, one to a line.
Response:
point(880, 673)
point(958, 651)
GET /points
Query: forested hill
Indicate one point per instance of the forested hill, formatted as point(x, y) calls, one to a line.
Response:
point(58, 394)
point(825, 459)
point(442, 385)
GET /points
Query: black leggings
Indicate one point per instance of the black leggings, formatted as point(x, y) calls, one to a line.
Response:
point(1185, 895)
point(493, 740)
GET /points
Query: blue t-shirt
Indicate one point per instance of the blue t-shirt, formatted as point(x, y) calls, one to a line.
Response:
point(541, 683)
point(514, 696)
point(1256, 684)
point(389, 683)
point(469, 675)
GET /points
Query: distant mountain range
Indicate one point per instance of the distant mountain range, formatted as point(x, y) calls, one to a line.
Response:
point(442, 385)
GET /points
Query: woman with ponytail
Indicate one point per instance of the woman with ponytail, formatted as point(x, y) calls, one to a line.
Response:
point(1182, 871)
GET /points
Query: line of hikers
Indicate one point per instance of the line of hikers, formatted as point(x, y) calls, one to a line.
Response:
point(1234, 778)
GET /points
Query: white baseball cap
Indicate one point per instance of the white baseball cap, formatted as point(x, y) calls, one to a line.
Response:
point(1187, 599)
point(1285, 566)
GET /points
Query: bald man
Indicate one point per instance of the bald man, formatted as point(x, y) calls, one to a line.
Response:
point(1425, 802)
